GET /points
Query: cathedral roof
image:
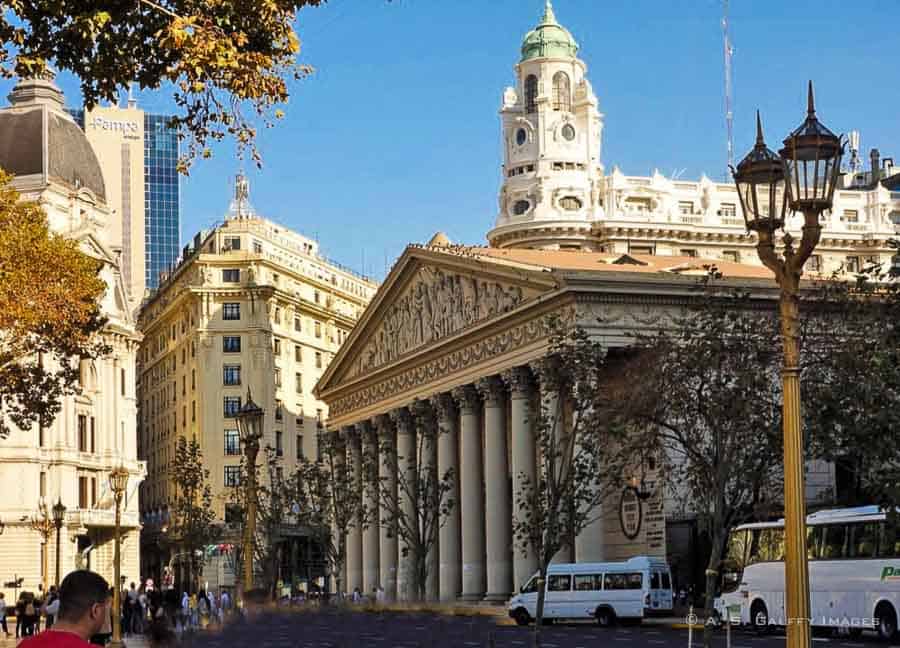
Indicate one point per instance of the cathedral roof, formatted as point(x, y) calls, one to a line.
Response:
point(37, 137)
point(548, 39)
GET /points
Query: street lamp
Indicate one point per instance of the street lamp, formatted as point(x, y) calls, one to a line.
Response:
point(59, 514)
point(43, 524)
point(250, 423)
point(118, 482)
point(802, 177)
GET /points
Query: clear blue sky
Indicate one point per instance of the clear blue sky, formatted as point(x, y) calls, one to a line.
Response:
point(396, 134)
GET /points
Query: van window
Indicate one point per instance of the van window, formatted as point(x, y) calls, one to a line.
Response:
point(654, 580)
point(530, 586)
point(623, 581)
point(666, 582)
point(588, 582)
point(634, 581)
point(559, 583)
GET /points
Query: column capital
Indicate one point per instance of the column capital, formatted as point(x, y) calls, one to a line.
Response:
point(444, 406)
point(423, 416)
point(383, 423)
point(491, 389)
point(546, 373)
point(402, 418)
point(466, 397)
point(520, 381)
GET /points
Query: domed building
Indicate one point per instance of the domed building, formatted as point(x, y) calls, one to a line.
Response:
point(71, 460)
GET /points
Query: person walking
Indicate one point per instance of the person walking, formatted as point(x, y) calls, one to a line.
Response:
point(3, 614)
point(83, 610)
point(49, 612)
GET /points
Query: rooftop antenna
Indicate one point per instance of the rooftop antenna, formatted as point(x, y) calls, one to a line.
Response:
point(729, 115)
point(132, 102)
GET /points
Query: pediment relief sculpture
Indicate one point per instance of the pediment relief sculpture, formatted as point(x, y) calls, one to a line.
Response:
point(435, 305)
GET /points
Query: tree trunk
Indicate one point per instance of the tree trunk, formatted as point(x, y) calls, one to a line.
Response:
point(539, 609)
point(712, 581)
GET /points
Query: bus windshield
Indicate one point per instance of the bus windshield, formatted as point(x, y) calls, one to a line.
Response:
point(735, 558)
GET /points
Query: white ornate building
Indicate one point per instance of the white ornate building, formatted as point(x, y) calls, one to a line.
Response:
point(71, 460)
point(557, 195)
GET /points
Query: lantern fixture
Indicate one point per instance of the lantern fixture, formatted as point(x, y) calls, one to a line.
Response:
point(118, 481)
point(59, 513)
point(249, 420)
point(812, 163)
point(759, 179)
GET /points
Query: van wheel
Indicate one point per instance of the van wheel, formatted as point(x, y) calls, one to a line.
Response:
point(605, 617)
point(759, 617)
point(521, 617)
point(887, 621)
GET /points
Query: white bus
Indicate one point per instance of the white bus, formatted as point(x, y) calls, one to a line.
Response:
point(602, 591)
point(854, 572)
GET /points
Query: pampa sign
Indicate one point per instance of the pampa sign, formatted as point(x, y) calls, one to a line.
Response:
point(126, 127)
point(890, 573)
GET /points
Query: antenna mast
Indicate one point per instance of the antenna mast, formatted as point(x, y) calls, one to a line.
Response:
point(729, 114)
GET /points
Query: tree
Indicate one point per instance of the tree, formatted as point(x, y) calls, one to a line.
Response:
point(707, 394)
point(579, 461)
point(193, 524)
point(218, 56)
point(329, 500)
point(415, 501)
point(49, 313)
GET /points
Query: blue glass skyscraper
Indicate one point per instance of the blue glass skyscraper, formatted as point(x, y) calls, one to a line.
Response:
point(161, 197)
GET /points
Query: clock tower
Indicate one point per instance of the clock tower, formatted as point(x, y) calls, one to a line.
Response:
point(551, 132)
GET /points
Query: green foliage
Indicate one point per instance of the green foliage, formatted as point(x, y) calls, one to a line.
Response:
point(49, 313)
point(218, 56)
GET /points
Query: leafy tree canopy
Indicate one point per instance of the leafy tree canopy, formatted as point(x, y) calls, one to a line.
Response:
point(49, 312)
point(219, 55)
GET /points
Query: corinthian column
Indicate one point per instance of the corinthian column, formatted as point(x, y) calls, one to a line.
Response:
point(471, 493)
point(426, 429)
point(354, 533)
point(448, 465)
point(387, 472)
point(370, 575)
point(498, 516)
point(521, 389)
point(406, 463)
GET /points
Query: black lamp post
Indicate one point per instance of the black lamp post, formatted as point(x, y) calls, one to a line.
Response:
point(250, 425)
point(59, 515)
point(801, 178)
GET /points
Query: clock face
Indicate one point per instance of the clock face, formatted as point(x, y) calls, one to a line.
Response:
point(568, 132)
point(521, 136)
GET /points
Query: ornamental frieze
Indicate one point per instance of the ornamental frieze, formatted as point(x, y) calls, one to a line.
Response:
point(436, 305)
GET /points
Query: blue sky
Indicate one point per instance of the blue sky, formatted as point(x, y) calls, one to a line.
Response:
point(396, 134)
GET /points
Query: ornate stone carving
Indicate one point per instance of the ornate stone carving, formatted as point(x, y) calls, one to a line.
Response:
point(466, 398)
point(491, 389)
point(402, 420)
point(520, 381)
point(444, 407)
point(436, 305)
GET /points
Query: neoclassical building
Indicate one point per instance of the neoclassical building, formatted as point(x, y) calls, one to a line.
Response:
point(94, 433)
point(450, 337)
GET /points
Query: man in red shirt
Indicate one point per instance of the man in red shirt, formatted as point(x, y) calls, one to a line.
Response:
point(83, 609)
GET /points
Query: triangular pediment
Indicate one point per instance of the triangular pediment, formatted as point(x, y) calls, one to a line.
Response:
point(432, 295)
point(93, 247)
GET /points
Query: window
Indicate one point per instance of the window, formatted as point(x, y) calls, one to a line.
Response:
point(82, 433)
point(559, 583)
point(570, 203)
point(298, 324)
point(232, 443)
point(689, 252)
point(864, 540)
point(766, 545)
point(731, 255)
point(279, 443)
point(231, 344)
point(232, 406)
point(685, 207)
point(232, 243)
point(276, 346)
point(83, 502)
point(852, 264)
point(42, 484)
point(320, 417)
point(728, 210)
point(317, 296)
point(257, 247)
point(889, 542)
point(530, 586)
point(299, 447)
point(633, 580)
point(588, 582)
point(520, 207)
point(279, 411)
point(277, 316)
point(194, 378)
point(531, 89)
point(93, 434)
point(193, 411)
point(298, 383)
point(814, 263)
point(277, 377)
point(318, 359)
point(850, 216)
point(232, 476)
point(231, 374)
point(231, 311)
point(298, 353)
point(641, 249)
point(318, 327)
point(562, 92)
point(231, 275)
point(834, 537)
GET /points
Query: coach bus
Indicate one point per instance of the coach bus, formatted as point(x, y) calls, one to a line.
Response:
point(854, 572)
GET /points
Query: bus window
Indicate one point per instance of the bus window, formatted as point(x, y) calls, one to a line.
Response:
point(833, 541)
point(889, 544)
point(813, 540)
point(634, 581)
point(559, 583)
point(736, 554)
point(753, 546)
point(771, 544)
point(654, 580)
point(863, 540)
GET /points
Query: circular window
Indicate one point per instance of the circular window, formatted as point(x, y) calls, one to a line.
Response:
point(570, 203)
point(521, 136)
point(521, 207)
point(568, 131)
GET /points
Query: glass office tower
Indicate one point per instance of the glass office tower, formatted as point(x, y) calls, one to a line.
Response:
point(161, 197)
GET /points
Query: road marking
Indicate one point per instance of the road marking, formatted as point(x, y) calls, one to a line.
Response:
point(847, 643)
point(655, 641)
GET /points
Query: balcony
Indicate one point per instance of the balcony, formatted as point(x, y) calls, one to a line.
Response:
point(100, 517)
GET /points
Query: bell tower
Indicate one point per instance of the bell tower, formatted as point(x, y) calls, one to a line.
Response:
point(551, 189)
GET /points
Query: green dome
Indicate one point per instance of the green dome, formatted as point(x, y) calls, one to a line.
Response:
point(548, 39)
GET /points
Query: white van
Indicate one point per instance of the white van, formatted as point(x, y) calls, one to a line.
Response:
point(603, 591)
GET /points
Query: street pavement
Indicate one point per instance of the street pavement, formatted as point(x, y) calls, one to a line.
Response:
point(345, 629)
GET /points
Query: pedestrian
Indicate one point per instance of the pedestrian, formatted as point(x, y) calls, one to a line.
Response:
point(3, 614)
point(83, 610)
point(28, 615)
point(50, 615)
point(20, 616)
point(226, 605)
point(142, 611)
point(38, 605)
point(102, 637)
point(356, 596)
point(379, 595)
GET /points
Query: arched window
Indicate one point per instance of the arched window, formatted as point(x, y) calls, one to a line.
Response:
point(531, 87)
point(562, 92)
